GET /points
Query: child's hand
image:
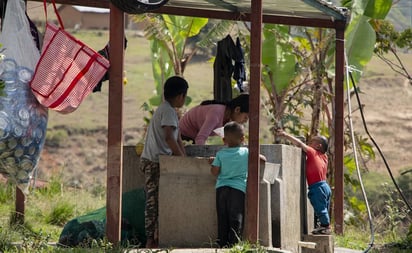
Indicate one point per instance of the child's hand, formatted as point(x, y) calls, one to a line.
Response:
point(211, 159)
point(280, 132)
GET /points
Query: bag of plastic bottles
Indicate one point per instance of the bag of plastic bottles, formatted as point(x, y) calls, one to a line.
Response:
point(23, 121)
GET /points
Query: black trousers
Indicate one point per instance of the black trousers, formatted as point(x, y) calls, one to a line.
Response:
point(230, 205)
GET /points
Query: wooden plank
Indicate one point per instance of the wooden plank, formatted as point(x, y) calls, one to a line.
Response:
point(115, 127)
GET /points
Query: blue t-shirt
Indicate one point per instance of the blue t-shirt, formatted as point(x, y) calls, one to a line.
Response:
point(233, 163)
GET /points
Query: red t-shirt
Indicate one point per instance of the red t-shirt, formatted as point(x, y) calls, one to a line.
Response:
point(316, 166)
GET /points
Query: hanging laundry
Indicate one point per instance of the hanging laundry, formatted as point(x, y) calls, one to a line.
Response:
point(229, 61)
point(105, 53)
point(239, 72)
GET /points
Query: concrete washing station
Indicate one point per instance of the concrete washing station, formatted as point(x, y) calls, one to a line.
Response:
point(187, 210)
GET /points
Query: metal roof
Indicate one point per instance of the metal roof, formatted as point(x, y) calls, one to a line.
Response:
point(91, 9)
point(311, 13)
point(317, 9)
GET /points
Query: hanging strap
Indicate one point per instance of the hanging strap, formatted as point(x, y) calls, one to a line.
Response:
point(55, 11)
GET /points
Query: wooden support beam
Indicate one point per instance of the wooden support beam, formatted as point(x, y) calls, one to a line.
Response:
point(339, 123)
point(252, 218)
point(115, 127)
point(20, 207)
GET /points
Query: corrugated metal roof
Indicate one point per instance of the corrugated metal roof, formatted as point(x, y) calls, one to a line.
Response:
point(316, 13)
point(91, 9)
point(293, 8)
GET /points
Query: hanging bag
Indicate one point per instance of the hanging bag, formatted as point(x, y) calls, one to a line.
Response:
point(23, 121)
point(67, 71)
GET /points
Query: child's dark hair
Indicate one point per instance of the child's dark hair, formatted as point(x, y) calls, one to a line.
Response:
point(241, 101)
point(174, 86)
point(324, 141)
point(234, 128)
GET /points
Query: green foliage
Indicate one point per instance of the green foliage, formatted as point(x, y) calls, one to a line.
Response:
point(405, 183)
point(56, 137)
point(247, 247)
point(6, 190)
point(279, 61)
point(169, 37)
point(6, 238)
point(354, 237)
point(61, 213)
point(52, 189)
point(98, 191)
point(34, 241)
point(377, 9)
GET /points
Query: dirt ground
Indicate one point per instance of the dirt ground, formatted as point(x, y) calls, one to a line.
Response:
point(81, 161)
point(388, 114)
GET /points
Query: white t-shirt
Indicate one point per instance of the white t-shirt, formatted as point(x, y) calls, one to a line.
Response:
point(155, 143)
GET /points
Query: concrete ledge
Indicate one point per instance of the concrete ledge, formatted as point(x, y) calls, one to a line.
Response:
point(324, 243)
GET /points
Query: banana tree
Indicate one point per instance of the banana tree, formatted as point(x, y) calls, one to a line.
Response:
point(360, 34)
point(171, 43)
point(172, 50)
point(168, 37)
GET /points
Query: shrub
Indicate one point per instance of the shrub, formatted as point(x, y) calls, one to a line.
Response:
point(56, 138)
point(6, 190)
point(60, 214)
point(53, 188)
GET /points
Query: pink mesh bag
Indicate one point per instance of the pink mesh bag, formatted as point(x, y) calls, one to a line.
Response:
point(67, 70)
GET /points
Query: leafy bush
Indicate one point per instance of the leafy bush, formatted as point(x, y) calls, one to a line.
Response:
point(60, 214)
point(6, 190)
point(56, 137)
point(6, 238)
point(53, 187)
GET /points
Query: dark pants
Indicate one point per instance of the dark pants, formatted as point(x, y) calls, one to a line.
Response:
point(230, 205)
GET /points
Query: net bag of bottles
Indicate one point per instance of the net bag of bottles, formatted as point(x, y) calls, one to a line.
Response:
point(23, 121)
point(67, 71)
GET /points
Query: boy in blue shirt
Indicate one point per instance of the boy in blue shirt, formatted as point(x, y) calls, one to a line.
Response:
point(231, 168)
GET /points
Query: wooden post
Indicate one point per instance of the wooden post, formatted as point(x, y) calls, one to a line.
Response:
point(339, 104)
point(115, 127)
point(252, 219)
point(20, 198)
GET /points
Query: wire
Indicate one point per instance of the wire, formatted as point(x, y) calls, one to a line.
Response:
point(356, 160)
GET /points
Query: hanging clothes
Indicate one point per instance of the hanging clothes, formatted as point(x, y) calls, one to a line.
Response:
point(105, 53)
point(239, 72)
point(229, 61)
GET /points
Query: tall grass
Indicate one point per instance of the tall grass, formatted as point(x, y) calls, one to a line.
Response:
point(46, 210)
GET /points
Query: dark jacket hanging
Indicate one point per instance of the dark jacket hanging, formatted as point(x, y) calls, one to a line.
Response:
point(229, 61)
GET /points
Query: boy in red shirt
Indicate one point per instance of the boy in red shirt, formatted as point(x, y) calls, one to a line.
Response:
point(316, 167)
